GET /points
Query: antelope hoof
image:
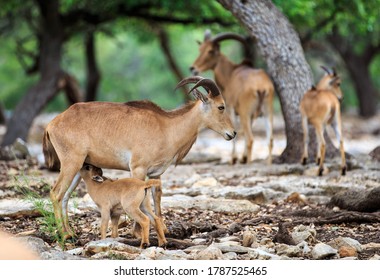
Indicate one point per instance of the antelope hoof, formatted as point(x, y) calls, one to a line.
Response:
point(164, 246)
point(320, 171)
point(244, 160)
point(318, 161)
point(234, 161)
point(304, 161)
point(344, 170)
point(144, 245)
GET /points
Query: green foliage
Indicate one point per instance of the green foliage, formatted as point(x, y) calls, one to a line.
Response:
point(351, 16)
point(128, 53)
point(47, 221)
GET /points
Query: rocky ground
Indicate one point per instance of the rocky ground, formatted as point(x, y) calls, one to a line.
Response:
point(213, 210)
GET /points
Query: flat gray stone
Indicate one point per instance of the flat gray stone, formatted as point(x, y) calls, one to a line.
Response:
point(207, 203)
point(323, 251)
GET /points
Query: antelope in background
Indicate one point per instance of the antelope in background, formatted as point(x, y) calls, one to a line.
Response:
point(321, 106)
point(248, 92)
point(135, 136)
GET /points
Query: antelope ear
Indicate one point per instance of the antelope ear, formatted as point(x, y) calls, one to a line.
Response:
point(97, 178)
point(199, 95)
point(334, 81)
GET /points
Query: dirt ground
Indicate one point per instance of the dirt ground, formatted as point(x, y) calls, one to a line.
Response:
point(192, 223)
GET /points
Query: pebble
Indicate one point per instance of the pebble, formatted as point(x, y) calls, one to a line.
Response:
point(248, 238)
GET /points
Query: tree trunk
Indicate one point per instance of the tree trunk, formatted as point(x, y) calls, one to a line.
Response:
point(358, 67)
point(165, 47)
point(280, 46)
point(70, 86)
point(93, 73)
point(357, 200)
point(2, 114)
point(50, 73)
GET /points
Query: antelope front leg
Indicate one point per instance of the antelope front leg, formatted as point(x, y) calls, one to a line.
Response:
point(65, 202)
point(105, 218)
point(305, 154)
point(57, 195)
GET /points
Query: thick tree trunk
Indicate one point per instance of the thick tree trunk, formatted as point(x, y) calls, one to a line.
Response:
point(358, 67)
point(365, 89)
point(281, 48)
point(50, 74)
point(93, 73)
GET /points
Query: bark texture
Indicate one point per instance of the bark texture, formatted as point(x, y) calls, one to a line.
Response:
point(357, 200)
point(281, 49)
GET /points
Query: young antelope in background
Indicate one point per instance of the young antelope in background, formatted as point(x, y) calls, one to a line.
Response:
point(321, 106)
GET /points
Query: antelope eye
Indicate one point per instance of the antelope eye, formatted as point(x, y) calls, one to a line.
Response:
point(221, 108)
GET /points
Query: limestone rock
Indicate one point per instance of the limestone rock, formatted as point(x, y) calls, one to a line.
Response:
point(210, 253)
point(98, 246)
point(323, 251)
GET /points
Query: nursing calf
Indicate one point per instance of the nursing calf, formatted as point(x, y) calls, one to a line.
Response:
point(124, 195)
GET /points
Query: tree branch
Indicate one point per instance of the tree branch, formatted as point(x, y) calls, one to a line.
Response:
point(73, 17)
point(165, 47)
point(306, 38)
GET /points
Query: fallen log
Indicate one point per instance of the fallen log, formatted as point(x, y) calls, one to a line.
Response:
point(357, 200)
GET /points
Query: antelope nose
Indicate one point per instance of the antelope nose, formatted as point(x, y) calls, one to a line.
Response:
point(230, 137)
point(193, 70)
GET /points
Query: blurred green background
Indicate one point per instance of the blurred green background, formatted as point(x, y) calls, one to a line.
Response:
point(133, 65)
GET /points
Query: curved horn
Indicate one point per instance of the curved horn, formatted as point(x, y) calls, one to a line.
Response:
point(229, 36)
point(209, 85)
point(326, 70)
point(232, 36)
point(193, 79)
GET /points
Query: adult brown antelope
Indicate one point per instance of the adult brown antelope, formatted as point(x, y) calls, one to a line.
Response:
point(321, 106)
point(248, 92)
point(137, 136)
